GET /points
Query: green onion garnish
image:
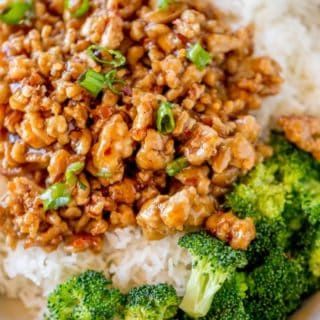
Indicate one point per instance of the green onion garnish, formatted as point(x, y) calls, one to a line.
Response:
point(15, 12)
point(165, 120)
point(104, 173)
point(55, 196)
point(176, 166)
point(164, 4)
point(111, 80)
point(82, 185)
point(72, 171)
point(199, 56)
point(92, 81)
point(97, 53)
point(95, 82)
point(80, 11)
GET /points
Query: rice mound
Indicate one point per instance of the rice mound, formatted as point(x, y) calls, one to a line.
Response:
point(287, 30)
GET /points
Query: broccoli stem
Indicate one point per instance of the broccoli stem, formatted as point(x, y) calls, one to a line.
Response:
point(201, 288)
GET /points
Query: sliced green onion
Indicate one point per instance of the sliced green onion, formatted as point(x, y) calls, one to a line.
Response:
point(111, 80)
point(72, 171)
point(164, 4)
point(176, 166)
point(165, 119)
point(55, 196)
point(104, 173)
point(199, 56)
point(80, 11)
point(96, 53)
point(92, 81)
point(82, 185)
point(15, 12)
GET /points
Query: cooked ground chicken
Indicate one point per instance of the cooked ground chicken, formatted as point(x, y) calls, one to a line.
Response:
point(90, 143)
point(228, 227)
point(304, 131)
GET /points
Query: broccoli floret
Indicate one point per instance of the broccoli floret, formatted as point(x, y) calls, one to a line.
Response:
point(309, 248)
point(276, 287)
point(295, 164)
point(228, 303)
point(309, 197)
point(314, 257)
point(259, 194)
point(213, 262)
point(279, 195)
point(88, 296)
point(268, 237)
point(268, 188)
point(152, 302)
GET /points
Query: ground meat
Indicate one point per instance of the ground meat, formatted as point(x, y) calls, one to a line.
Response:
point(202, 144)
point(156, 151)
point(149, 218)
point(196, 177)
point(304, 131)
point(186, 208)
point(49, 120)
point(114, 145)
point(227, 227)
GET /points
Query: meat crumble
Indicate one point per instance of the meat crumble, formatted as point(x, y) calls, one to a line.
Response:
point(124, 114)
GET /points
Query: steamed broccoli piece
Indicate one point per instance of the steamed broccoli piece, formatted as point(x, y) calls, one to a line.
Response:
point(309, 197)
point(228, 303)
point(276, 288)
point(268, 189)
point(280, 194)
point(88, 296)
point(152, 302)
point(308, 245)
point(213, 262)
point(268, 237)
point(314, 256)
point(259, 194)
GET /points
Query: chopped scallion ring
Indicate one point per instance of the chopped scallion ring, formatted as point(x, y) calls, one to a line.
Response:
point(104, 173)
point(199, 56)
point(82, 185)
point(111, 80)
point(80, 11)
point(15, 12)
point(92, 81)
point(176, 166)
point(164, 4)
point(55, 196)
point(165, 119)
point(72, 171)
point(97, 54)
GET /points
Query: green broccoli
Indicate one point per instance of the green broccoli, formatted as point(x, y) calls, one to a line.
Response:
point(275, 289)
point(314, 256)
point(309, 197)
point(280, 194)
point(308, 247)
point(259, 194)
point(266, 190)
point(228, 303)
point(152, 302)
point(269, 236)
point(213, 262)
point(88, 296)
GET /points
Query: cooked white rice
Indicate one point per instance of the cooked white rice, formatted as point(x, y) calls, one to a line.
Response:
point(287, 30)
